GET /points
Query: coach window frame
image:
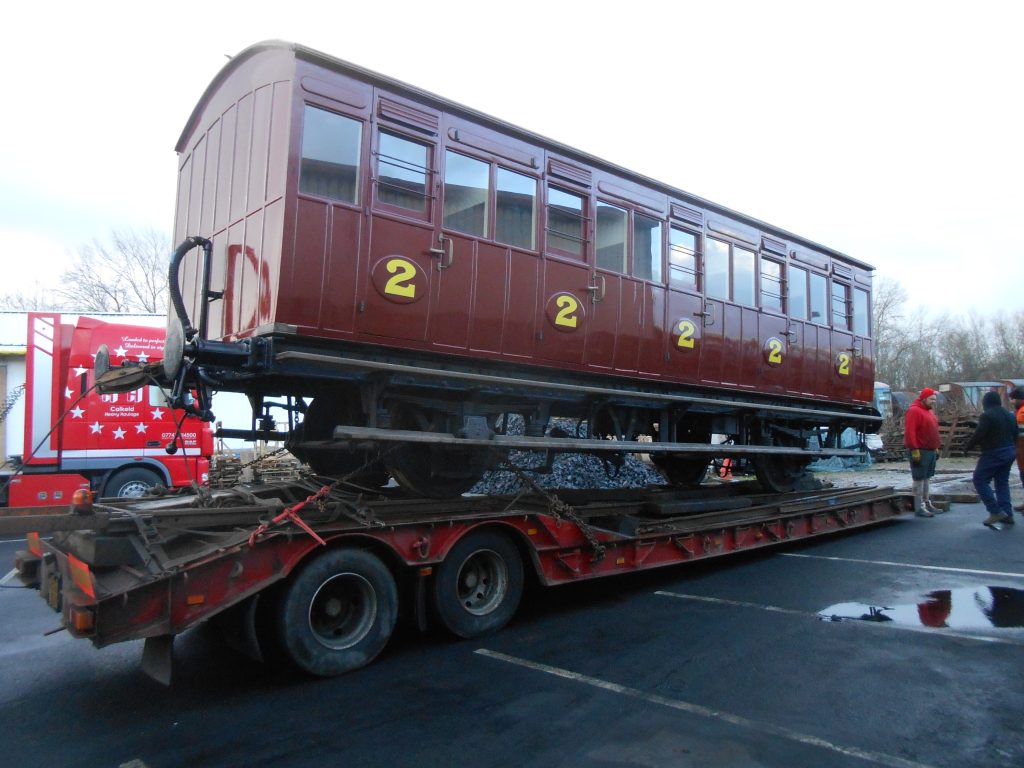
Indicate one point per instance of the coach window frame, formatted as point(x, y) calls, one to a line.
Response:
point(361, 155)
point(696, 286)
point(585, 218)
point(780, 282)
point(430, 173)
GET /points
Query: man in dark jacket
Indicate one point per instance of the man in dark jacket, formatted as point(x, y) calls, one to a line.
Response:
point(997, 436)
point(921, 439)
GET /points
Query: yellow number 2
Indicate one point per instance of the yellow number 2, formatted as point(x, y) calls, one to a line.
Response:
point(567, 307)
point(843, 364)
point(402, 283)
point(774, 351)
point(686, 333)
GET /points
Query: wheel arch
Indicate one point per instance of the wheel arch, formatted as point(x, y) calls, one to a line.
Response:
point(522, 543)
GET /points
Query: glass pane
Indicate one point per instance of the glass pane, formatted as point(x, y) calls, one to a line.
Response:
point(516, 219)
point(682, 258)
point(743, 276)
point(565, 221)
point(771, 285)
point(646, 248)
point(798, 293)
point(466, 184)
point(716, 263)
point(840, 313)
point(860, 312)
point(402, 167)
point(611, 237)
point(819, 296)
point(330, 155)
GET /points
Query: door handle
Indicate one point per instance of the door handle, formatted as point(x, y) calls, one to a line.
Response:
point(707, 316)
point(602, 287)
point(441, 253)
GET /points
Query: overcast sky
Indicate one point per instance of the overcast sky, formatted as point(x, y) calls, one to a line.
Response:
point(891, 131)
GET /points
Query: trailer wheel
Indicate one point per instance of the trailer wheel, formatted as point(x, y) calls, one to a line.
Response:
point(338, 612)
point(130, 483)
point(478, 586)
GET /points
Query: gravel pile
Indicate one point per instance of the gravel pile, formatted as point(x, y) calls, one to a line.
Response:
point(569, 470)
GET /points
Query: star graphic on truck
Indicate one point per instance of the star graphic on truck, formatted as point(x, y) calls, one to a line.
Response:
point(96, 428)
point(140, 429)
point(143, 357)
point(119, 434)
point(157, 414)
point(76, 412)
point(121, 351)
point(68, 393)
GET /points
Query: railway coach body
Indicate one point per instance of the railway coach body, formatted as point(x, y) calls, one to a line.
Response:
point(412, 264)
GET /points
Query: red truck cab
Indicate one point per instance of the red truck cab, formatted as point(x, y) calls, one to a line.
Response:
point(75, 437)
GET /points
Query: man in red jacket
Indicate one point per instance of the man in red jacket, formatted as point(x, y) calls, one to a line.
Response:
point(1017, 399)
point(921, 438)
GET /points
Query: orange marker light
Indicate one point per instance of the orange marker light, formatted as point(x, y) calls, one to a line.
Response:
point(32, 542)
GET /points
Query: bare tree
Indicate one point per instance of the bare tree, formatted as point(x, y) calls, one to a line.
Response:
point(128, 274)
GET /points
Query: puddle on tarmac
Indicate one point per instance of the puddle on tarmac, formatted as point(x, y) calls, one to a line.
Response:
point(972, 608)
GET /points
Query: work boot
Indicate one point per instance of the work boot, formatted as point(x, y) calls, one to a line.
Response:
point(1007, 519)
point(922, 512)
point(934, 509)
point(995, 517)
point(1020, 508)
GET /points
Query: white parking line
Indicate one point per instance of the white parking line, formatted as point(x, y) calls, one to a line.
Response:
point(8, 577)
point(945, 569)
point(819, 617)
point(878, 758)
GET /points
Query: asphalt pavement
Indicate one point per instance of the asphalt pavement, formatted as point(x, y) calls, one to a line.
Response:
point(899, 645)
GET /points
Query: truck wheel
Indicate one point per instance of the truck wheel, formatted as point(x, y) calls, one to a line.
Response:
point(479, 584)
point(338, 612)
point(130, 483)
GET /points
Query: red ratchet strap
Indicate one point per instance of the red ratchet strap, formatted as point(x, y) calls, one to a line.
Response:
point(291, 513)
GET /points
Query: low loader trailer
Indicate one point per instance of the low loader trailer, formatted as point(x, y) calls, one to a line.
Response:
point(319, 575)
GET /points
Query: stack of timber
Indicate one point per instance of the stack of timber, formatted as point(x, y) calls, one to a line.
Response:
point(956, 425)
point(225, 470)
point(282, 467)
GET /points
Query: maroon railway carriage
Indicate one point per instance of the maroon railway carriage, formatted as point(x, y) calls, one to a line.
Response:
point(391, 262)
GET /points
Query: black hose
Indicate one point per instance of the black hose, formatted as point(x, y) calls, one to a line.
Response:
point(172, 278)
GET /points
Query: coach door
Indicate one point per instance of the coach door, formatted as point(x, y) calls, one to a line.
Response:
point(404, 247)
point(565, 306)
point(809, 344)
point(773, 368)
point(685, 318)
point(845, 353)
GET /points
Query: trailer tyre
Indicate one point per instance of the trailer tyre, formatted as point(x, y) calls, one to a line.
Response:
point(338, 612)
point(130, 483)
point(478, 586)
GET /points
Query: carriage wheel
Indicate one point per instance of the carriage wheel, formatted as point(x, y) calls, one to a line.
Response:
point(434, 471)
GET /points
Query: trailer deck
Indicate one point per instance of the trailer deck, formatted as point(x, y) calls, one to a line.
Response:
point(154, 568)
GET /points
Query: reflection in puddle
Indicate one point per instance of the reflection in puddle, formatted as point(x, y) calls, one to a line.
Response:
point(974, 608)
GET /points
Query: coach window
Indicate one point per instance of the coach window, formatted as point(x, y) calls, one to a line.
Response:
point(860, 312)
point(611, 237)
point(771, 285)
point(330, 155)
point(516, 212)
point(403, 170)
point(682, 258)
point(646, 248)
point(716, 264)
point(797, 293)
point(466, 186)
point(840, 305)
point(566, 222)
point(819, 299)
point(743, 276)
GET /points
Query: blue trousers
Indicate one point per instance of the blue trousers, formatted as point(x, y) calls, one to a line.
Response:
point(994, 465)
